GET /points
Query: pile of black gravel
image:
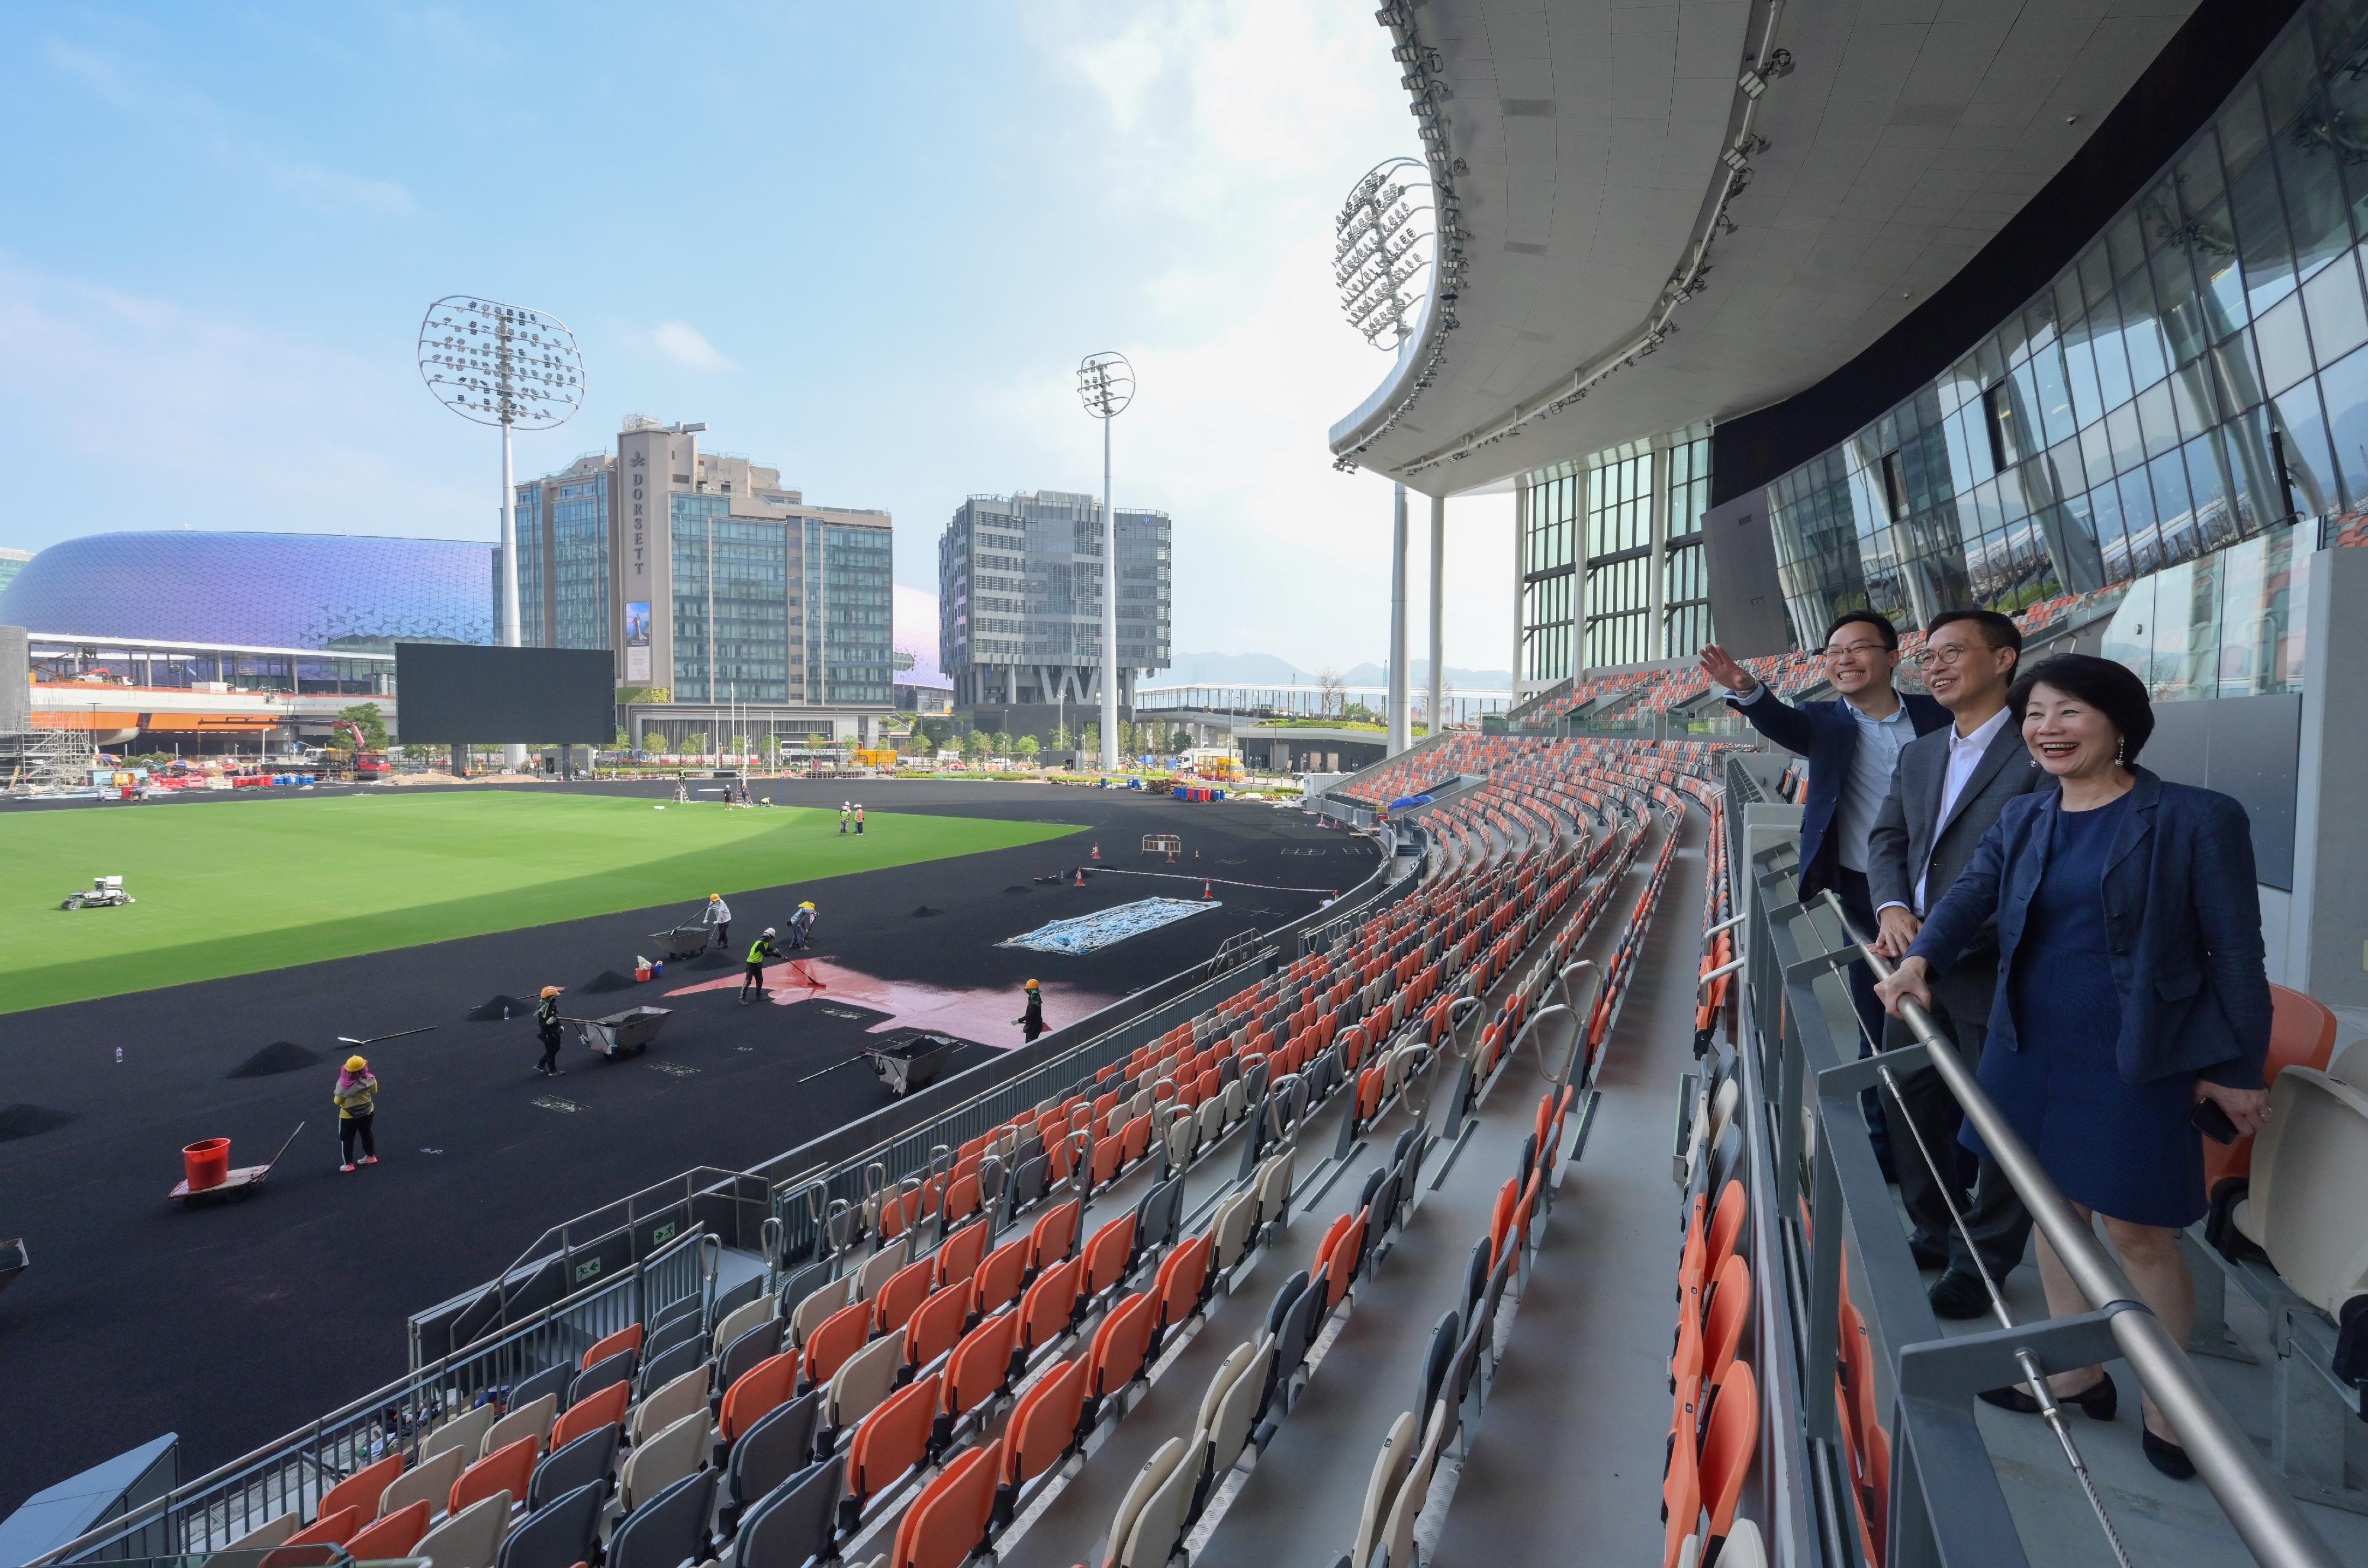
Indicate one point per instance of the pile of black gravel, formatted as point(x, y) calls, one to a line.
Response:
point(925, 912)
point(497, 1007)
point(22, 1120)
point(279, 1056)
point(607, 980)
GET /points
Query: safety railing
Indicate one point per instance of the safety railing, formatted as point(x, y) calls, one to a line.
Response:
point(1805, 1138)
point(292, 1472)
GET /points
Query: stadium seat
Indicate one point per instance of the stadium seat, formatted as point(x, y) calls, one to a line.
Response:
point(665, 1457)
point(958, 1255)
point(760, 1342)
point(779, 1445)
point(393, 1535)
point(1729, 1316)
point(1050, 1306)
point(553, 1380)
point(1119, 1347)
point(506, 1470)
point(902, 1295)
point(977, 1370)
point(2301, 1034)
point(1680, 1502)
point(561, 1534)
point(361, 1490)
point(1181, 1286)
point(270, 1533)
point(759, 1389)
point(626, 1338)
point(860, 1384)
point(606, 1408)
point(1043, 1426)
point(1055, 1236)
point(1000, 1276)
point(668, 1530)
point(794, 1524)
point(533, 1419)
point(617, 1371)
point(470, 1538)
point(948, 1521)
point(1106, 1254)
point(937, 1327)
point(877, 1269)
point(1397, 1546)
point(1389, 1474)
point(430, 1481)
point(684, 1326)
point(839, 1336)
point(1730, 1439)
point(816, 1308)
point(669, 1402)
point(893, 1440)
point(671, 1363)
point(2310, 1166)
point(329, 1529)
point(465, 1432)
point(1164, 1473)
point(587, 1461)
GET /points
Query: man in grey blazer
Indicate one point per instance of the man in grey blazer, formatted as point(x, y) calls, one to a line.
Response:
point(1948, 790)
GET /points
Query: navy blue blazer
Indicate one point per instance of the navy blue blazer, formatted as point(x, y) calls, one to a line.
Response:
point(2182, 915)
point(1825, 734)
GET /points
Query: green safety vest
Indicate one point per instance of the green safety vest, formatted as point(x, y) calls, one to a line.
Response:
point(757, 950)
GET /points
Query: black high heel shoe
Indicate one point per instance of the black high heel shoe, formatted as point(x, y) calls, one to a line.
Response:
point(2098, 1400)
point(2168, 1457)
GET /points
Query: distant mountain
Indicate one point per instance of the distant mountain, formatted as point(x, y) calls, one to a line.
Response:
point(1266, 669)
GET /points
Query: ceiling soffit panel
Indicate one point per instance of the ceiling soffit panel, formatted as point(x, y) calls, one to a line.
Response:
point(1643, 238)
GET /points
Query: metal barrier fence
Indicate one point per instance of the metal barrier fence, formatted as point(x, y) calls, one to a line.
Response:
point(1801, 1090)
point(222, 1507)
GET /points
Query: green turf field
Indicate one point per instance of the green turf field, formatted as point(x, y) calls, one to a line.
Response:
point(231, 887)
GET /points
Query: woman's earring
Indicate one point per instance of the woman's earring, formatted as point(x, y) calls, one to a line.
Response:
point(2118, 749)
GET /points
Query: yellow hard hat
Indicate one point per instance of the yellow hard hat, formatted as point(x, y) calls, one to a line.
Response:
point(551, 991)
point(715, 898)
point(807, 904)
point(1033, 986)
point(356, 1065)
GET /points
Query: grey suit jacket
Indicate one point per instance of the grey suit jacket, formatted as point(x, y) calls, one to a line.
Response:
point(1909, 838)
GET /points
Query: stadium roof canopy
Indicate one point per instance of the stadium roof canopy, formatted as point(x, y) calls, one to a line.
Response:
point(1587, 148)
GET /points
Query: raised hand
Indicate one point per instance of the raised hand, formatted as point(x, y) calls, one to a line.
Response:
point(1721, 667)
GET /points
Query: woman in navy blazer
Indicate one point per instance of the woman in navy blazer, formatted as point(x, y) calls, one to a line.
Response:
point(2129, 933)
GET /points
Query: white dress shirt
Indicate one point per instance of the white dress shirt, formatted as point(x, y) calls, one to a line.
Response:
point(1966, 753)
point(1869, 781)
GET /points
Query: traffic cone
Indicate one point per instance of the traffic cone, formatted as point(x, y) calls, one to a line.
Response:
point(1081, 876)
point(1171, 856)
point(1205, 893)
point(1098, 849)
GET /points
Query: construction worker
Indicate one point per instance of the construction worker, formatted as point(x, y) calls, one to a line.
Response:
point(546, 1024)
point(357, 1102)
point(1031, 1022)
point(844, 808)
point(859, 819)
point(753, 979)
point(718, 915)
point(801, 921)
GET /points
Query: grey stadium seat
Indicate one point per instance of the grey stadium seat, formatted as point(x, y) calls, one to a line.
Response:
point(551, 1380)
point(669, 1530)
point(778, 1447)
point(560, 1534)
point(758, 1344)
point(585, 1463)
point(686, 1355)
point(795, 1521)
point(604, 1373)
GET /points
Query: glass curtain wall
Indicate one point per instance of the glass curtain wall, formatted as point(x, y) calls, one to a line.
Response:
point(856, 574)
point(1619, 557)
point(579, 564)
point(2197, 377)
point(527, 519)
point(1550, 499)
point(1685, 585)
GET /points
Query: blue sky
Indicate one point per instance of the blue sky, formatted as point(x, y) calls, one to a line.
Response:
point(868, 244)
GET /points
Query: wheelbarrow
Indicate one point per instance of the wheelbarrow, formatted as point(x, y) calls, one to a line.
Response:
point(237, 1181)
point(912, 1063)
point(628, 1033)
point(684, 941)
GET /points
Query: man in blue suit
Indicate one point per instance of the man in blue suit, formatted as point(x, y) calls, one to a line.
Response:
point(1852, 746)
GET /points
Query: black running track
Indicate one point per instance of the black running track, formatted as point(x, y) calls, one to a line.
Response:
point(231, 1325)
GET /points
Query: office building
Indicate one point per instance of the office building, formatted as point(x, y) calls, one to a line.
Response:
point(729, 599)
point(1020, 582)
point(11, 562)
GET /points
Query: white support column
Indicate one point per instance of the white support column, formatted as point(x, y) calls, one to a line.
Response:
point(1437, 696)
point(510, 635)
point(1396, 700)
point(2327, 937)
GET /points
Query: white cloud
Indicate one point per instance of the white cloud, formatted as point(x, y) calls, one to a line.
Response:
point(683, 343)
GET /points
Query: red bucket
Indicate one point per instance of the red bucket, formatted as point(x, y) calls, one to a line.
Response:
point(206, 1162)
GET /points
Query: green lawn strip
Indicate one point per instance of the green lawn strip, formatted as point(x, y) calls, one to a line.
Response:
point(223, 897)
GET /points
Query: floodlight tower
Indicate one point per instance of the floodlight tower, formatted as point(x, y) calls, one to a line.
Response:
point(1385, 236)
point(1106, 382)
point(510, 366)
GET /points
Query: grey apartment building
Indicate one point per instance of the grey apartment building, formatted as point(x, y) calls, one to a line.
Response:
point(1019, 583)
point(728, 599)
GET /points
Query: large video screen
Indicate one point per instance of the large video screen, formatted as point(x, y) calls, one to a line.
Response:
point(454, 694)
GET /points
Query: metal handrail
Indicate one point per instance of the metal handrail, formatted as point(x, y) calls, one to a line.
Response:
point(2266, 1518)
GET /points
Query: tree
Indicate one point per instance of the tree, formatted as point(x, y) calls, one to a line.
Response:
point(1331, 690)
point(366, 717)
point(973, 746)
point(1179, 740)
point(1062, 739)
point(623, 741)
point(1030, 747)
point(1091, 743)
point(1001, 742)
point(695, 744)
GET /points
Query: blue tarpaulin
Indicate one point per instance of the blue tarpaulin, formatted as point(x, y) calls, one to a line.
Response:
point(1407, 802)
point(1090, 933)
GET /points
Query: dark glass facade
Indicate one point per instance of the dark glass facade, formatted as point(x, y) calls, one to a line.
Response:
point(2197, 377)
